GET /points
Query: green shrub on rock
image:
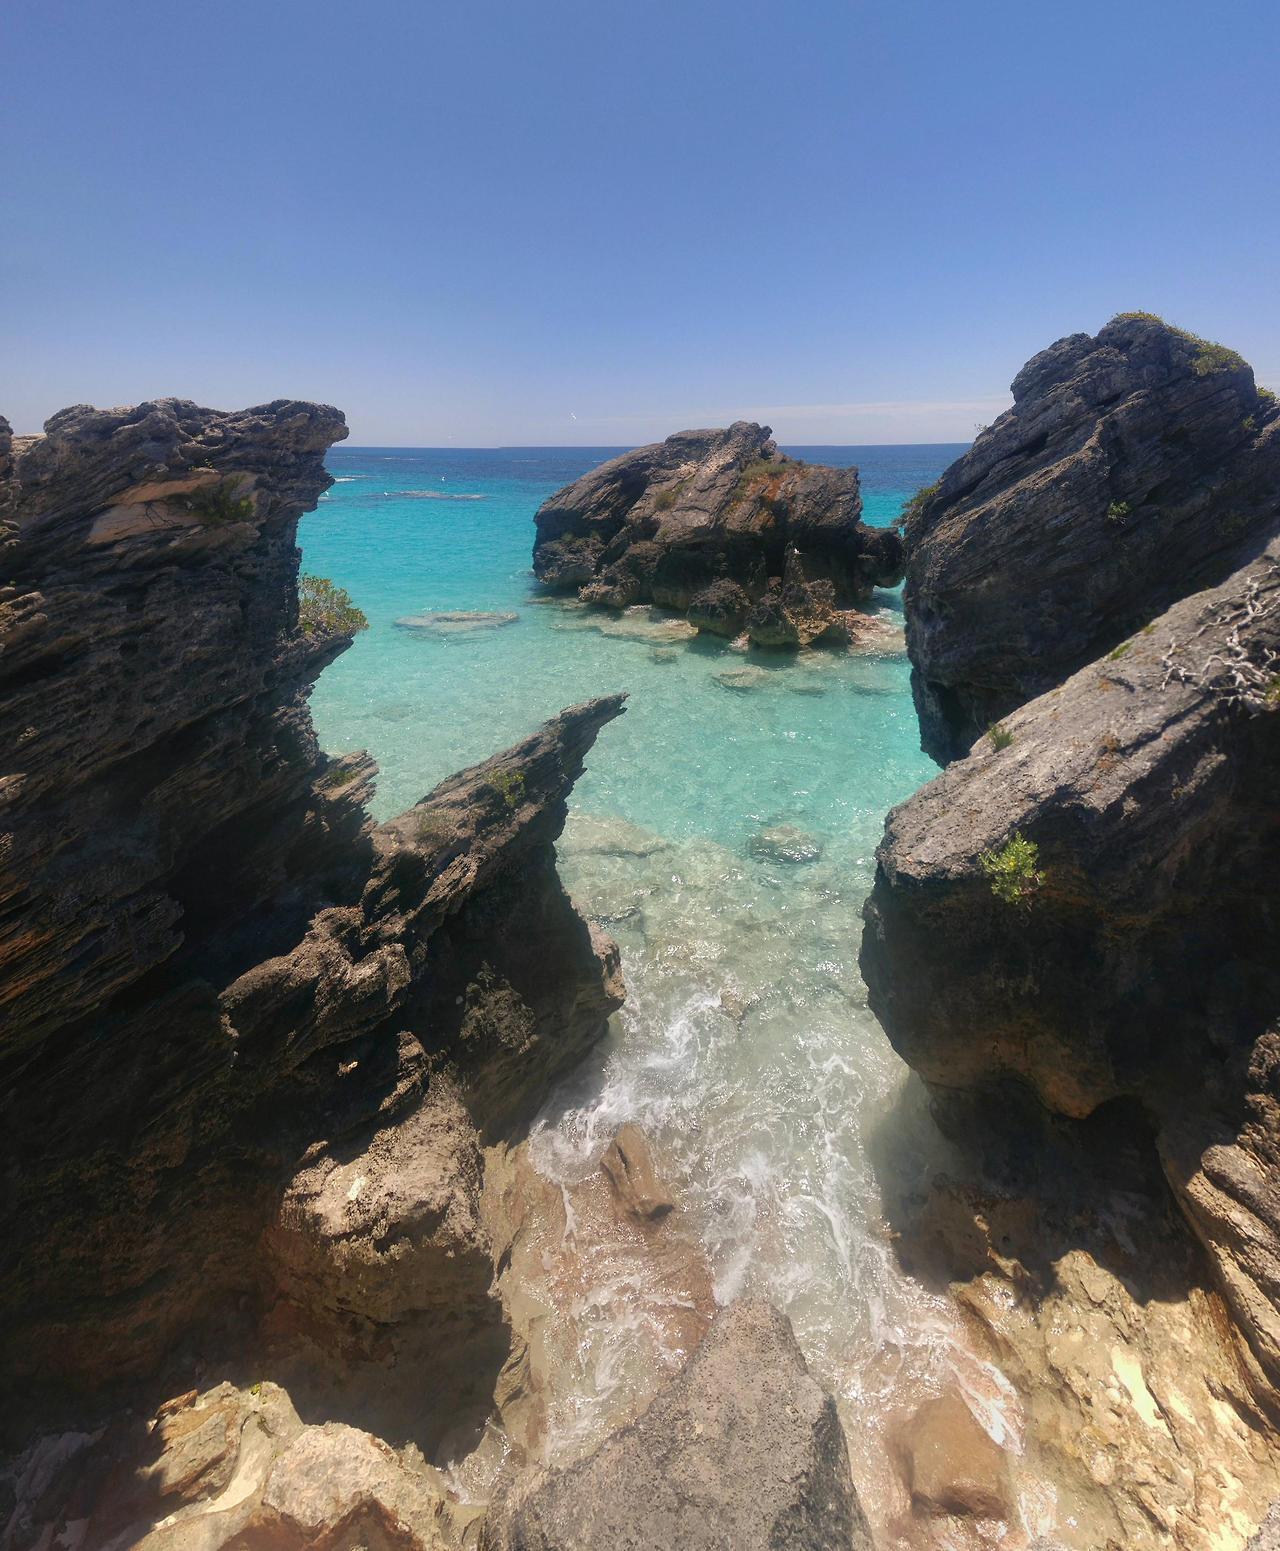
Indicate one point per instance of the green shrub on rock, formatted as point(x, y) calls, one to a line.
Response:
point(324, 609)
point(1012, 869)
point(218, 503)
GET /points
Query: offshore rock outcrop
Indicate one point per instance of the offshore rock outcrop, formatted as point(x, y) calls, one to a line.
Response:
point(1130, 470)
point(226, 996)
point(1072, 932)
point(724, 528)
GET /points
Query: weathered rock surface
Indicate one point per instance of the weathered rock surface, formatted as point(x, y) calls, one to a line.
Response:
point(230, 1469)
point(251, 1044)
point(1143, 950)
point(721, 526)
point(1083, 910)
point(742, 1451)
point(1126, 476)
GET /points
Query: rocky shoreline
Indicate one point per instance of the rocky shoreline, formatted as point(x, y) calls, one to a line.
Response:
point(269, 1067)
point(281, 1259)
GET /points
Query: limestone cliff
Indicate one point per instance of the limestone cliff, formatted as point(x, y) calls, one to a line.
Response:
point(220, 985)
point(1130, 471)
point(1072, 933)
point(723, 527)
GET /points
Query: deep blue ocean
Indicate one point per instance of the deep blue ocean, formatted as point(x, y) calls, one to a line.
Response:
point(746, 1049)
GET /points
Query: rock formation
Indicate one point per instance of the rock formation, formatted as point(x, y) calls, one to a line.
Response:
point(225, 994)
point(268, 1069)
point(1129, 472)
point(1084, 909)
point(724, 528)
point(742, 1449)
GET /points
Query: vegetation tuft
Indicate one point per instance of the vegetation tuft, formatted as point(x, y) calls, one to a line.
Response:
point(430, 829)
point(1118, 511)
point(1012, 869)
point(219, 503)
point(510, 786)
point(914, 507)
point(324, 609)
point(1117, 652)
point(1000, 735)
point(1210, 356)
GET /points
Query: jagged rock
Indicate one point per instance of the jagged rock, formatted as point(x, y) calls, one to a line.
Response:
point(213, 969)
point(741, 1450)
point(1131, 957)
point(702, 521)
point(279, 1485)
point(1146, 783)
point(720, 609)
point(445, 624)
point(1128, 473)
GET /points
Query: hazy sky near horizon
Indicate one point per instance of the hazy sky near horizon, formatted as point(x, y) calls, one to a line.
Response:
point(598, 221)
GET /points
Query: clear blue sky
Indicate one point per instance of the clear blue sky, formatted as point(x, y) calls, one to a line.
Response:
point(471, 222)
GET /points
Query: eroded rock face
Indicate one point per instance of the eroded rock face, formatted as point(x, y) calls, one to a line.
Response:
point(1139, 940)
point(723, 527)
point(1076, 920)
point(1128, 473)
point(225, 996)
point(742, 1449)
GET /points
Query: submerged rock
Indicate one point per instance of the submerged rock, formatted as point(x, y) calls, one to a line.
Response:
point(1129, 473)
point(742, 1449)
point(704, 522)
point(446, 623)
point(785, 843)
point(742, 679)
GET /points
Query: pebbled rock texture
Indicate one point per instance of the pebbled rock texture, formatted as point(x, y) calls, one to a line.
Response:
point(742, 1451)
point(1128, 474)
point(219, 984)
point(723, 527)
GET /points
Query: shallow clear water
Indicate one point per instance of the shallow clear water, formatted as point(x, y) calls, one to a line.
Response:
point(745, 1049)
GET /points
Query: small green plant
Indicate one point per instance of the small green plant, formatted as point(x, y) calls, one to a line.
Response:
point(336, 776)
point(755, 472)
point(430, 829)
point(510, 786)
point(324, 609)
point(1013, 869)
point(914, 506)
point(1211, 357)
point(218, 503)
point(1249, 423)
point(1000, 735)
point(1271, 694)
point(1118, 511)
point(664, 500)
point(1117, 652)
point(1266, 397)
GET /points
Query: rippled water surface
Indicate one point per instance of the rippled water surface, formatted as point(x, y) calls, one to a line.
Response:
point(745, 1049)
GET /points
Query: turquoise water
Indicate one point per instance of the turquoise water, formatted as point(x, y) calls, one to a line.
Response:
point(835, 747)
point(746, 1049)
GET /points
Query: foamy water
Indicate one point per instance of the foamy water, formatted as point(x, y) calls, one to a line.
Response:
point(745, 1050)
